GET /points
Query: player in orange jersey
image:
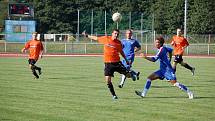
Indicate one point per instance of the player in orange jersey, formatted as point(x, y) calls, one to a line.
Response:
point(179, 44)
point(112, 49)
point(35, 48)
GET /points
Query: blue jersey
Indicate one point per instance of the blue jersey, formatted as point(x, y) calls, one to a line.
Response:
point(166, 70)
point(128, 48)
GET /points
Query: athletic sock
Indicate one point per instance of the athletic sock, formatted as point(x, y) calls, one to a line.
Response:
point(147, 86)
point(181, 86)
point(133, 72)
point(188, 66)
point(123, 78)
point(110, 86)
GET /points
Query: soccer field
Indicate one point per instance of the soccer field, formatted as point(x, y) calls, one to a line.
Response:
point(73, 89)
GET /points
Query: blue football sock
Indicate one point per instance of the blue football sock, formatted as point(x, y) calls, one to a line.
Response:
point(147, 85)
point(181, 86)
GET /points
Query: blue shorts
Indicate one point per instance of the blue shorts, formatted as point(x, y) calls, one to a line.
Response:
point(169, 75)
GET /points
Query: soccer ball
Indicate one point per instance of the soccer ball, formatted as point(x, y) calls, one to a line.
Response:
point(116, 17)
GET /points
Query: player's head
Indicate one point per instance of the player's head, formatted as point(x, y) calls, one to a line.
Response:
point(34, 35)
point(179, 32)
point(159, 41)
point(115, 33)
point(128, 34)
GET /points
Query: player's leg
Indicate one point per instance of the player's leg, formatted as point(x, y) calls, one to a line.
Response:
point(182, 87)
point(172, 77)
point(110, 86)
point(122, 82)
point(39, 69)
point(178, 59)
point(192, 69)
point(33, 68)
point(123, 77)
point(150, 78)
point(109, 71)
point(123, 70)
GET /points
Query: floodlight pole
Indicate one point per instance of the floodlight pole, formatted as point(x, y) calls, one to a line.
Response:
point(105, 22)
point(78, 27)
point(141, 32)
point(92, 24)
point(185, 18)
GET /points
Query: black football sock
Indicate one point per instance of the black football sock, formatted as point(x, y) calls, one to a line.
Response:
point(34, 71)
point(110, 86)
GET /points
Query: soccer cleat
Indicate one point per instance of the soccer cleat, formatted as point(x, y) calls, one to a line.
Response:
point(193, 71)
point(40, 71)
point(138, 74)
point(36, 77)
point(133, 78)
point(190, 94)
point(120, 86)
point(115, 97)
point(139, 93)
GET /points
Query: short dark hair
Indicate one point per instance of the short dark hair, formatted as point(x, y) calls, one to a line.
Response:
point(116, 30)
point(161, 40)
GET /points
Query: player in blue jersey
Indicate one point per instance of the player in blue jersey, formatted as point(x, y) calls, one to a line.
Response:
point(165, 71)
point(130, 46)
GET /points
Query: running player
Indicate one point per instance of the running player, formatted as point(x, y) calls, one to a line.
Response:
point(35, 48)
point(165, 71)
point(112, 49)
point(130, 46)
point(179, 44)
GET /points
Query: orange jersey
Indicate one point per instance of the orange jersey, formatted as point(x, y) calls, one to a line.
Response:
point(35, 47)
point(178, 44)
point(112, 48)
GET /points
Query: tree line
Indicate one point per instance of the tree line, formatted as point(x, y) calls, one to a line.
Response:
point(164, 16)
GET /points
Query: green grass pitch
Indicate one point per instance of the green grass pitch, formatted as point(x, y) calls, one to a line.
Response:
point(73, 89)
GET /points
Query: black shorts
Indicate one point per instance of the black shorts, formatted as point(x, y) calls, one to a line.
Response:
point(32, 61)
point(178, 58)
point(110, 68)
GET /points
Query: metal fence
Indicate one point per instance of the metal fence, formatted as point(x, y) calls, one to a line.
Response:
point(68, 44)
point(96, 48)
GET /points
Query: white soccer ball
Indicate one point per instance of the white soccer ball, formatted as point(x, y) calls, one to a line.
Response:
point(116, 17)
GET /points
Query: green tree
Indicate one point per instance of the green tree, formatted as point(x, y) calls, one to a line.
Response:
point(201, 16)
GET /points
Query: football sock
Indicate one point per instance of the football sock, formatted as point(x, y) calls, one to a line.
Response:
point(110, 86)
point(123, 80)
point(181, 86)
point(133, 72)
point(34, 71)
point(147, 86)
point(188, 67)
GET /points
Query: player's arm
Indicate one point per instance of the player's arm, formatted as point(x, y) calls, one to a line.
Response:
point(152, 59)
point(90, 36)
point(173, 42)
point(123, 55)
point(27, 45)
point(170, 56)
point(137, 49)
point(137, 46)
point(41, 51)
point(185, 43)
point(169, 50)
